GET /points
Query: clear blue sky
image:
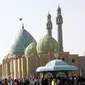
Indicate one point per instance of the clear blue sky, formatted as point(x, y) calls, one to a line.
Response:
point(34, 14)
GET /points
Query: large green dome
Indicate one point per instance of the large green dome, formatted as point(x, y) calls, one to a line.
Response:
point(23, 40)
point(31, 50)
point(46, 44)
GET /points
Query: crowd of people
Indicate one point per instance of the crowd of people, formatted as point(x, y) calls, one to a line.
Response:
point(45, 81)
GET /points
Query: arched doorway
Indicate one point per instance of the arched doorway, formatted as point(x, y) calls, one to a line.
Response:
point(48, 75)
point(61, 74)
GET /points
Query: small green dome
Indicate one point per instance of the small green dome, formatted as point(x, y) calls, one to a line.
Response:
point(46, 44)
point(31, 50)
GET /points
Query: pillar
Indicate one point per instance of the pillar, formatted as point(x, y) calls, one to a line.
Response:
point(2, 69)
point(11, 69)
point(28, 67)
point(23, 67)
point(15, 68)
point(6, 70)
point(19, 68)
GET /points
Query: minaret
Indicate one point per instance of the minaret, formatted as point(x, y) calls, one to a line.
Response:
point(59, 22)
point(49, 25)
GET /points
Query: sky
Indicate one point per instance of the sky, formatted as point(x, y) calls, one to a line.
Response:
point(34, 14)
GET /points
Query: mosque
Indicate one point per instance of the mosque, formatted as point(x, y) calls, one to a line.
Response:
point(27, 55)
